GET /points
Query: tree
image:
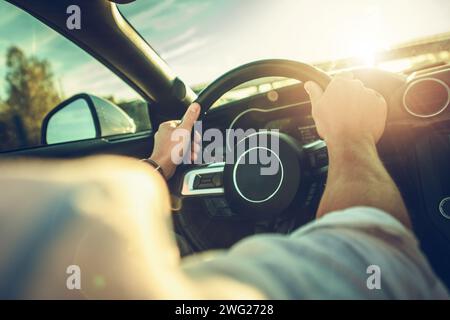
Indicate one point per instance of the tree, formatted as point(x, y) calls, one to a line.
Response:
point(31, 94)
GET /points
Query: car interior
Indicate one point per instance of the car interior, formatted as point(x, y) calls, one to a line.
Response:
point(217, 204)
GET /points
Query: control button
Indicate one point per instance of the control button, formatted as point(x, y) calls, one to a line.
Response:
point(205, 185)
point(196, 181)
point(444, 208)
point(319, 158)
point(218, 207)
point(217, 180)
point(208, 181)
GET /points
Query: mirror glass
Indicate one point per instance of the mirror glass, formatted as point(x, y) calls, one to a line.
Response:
point(113, 120)
point(71, 123)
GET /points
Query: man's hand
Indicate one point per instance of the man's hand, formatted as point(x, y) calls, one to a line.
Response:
point(351, 119)
point(167, 138)
point(347, 110)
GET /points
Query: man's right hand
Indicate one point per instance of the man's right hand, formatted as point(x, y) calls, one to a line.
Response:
point(347, 110)
point(351, 119)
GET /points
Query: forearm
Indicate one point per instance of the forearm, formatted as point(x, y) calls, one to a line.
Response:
point(356, 177)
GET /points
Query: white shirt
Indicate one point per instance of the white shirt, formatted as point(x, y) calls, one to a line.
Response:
point(358, 253)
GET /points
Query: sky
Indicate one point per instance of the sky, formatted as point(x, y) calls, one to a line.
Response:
point(202, 39)
point(75, 71)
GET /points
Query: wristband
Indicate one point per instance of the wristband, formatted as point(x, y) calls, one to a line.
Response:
point(155, 165)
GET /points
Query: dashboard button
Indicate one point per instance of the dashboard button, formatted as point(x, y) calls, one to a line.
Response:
point(217, 180)
point(208, 181)
point(196, 181)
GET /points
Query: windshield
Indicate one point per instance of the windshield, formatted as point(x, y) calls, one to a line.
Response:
point(202, 39)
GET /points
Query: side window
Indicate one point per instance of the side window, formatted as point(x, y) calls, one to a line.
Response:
point(41, 70)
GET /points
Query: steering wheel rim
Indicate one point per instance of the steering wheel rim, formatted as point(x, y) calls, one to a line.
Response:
point(195, 224)
point(259, 69)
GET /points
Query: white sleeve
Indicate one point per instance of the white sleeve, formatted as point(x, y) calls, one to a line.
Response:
point(335, 257)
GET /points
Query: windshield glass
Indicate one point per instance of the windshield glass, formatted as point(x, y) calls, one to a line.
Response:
point(202, 39)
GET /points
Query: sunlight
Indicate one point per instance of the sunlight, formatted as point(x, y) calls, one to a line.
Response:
point(366, 53)
point(368, 37)
point(302, 30)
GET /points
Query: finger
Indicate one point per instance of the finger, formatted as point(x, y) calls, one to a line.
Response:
point(376, 93)
point(165, 124)
point(314, 91)
point(194, 156)
point(195, 147)
point(174, 123)
point(197, 137)
point(190, 116)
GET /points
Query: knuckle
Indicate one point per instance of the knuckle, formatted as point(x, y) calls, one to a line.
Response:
point(371, 92)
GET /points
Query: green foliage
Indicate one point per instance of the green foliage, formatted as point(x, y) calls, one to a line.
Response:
point(31, 94)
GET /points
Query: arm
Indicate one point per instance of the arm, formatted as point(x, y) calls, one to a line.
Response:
point(351, 119)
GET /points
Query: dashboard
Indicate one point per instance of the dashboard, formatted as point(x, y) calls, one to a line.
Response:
point(415, 149)
point(420, 99)
point(304, 132)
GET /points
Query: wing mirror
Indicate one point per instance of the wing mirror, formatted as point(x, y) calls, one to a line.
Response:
point(84, 116)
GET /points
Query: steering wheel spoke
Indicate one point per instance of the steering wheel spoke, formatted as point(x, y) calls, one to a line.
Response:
point(258, 193)
point(204, 181)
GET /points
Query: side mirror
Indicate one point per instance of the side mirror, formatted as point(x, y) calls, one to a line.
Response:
point(82, 117)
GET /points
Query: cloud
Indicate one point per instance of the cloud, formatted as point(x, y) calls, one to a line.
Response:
point(94, 78)
point(166, 16)
point(8, 19)
point(184, 49)
point(42, 42)
point(142, 18)
point(175, 41)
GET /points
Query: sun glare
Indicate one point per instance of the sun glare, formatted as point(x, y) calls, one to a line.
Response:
point(366, 52)
point(367, 37)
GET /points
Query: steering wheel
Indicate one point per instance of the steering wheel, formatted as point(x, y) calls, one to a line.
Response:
point(246, 190)
point(259, 69)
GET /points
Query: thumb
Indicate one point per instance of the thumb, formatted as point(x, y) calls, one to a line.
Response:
point(314, 91)
point(190, 116)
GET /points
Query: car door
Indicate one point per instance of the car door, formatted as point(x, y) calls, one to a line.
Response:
point(56, 100)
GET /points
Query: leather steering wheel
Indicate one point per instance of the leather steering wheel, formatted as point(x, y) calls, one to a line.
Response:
point(250, 195)
point(259, 69)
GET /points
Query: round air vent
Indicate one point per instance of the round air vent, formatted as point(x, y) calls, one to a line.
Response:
point(426, 97)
